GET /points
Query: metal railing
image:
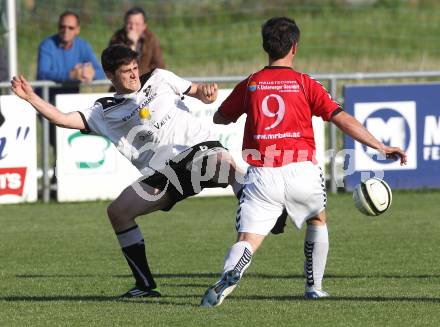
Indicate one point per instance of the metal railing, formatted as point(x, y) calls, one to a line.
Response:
point(333, 82)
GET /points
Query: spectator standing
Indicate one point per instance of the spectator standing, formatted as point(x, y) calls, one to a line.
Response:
point(136, 35)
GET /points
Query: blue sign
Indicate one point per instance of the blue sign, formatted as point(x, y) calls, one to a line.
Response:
point(407, 116)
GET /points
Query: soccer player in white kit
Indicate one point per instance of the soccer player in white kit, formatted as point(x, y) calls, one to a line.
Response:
point(278, 144)
point(149, 124)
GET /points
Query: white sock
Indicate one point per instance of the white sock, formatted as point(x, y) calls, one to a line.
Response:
point(130, 237)
point(315, 250)
point(238, 257)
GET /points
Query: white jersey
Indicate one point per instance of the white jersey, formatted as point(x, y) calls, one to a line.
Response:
point(166, 130)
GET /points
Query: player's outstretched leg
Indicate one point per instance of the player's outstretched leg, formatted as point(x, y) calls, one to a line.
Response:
point(316, 247)
point(133, 248)
point(215, 294)
point(237, 260)
point(132, 203)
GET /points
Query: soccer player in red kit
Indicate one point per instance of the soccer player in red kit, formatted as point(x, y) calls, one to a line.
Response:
point(279, 146)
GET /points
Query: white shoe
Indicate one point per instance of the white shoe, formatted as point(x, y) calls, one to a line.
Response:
point(313, 293)
point(215, 294)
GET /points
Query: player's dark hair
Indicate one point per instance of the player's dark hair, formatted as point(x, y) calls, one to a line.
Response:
point(69, 13)
point(135, 11)
point(279, 35)
point(115, 56)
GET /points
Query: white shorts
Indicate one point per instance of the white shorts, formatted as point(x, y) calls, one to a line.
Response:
point(299, 187)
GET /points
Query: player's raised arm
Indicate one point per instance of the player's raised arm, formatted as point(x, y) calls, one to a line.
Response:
point(206, 92)
point(350, 126)
point(21, 87)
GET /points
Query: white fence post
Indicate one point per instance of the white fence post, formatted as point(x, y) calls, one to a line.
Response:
point(12, 38)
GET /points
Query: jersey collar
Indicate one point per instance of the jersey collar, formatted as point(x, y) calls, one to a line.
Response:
point(126, 96)
point(278, 67)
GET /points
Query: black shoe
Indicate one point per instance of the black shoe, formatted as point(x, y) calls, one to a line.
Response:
point(280, 224)
point(140, 292)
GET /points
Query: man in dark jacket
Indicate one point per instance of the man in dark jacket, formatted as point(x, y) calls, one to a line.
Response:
point(136, 35)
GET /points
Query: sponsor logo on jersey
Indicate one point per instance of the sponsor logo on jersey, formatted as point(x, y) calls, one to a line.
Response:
point(144, 113)
point(392, 123)
point(149, 96)
point(147, 90)
point(292, 135)
point(252, 86)
point(143, 105)
point(280, 86)
point(146, 136)
point(159, 124)
point(12, 180)
point(128, 117)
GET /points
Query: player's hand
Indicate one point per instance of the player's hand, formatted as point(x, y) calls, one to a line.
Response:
point(21, 87)
point(394, 153)
point(88, 72)
point(133, 36)
point(207, 93)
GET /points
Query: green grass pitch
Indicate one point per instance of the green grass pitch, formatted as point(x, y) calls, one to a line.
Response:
point(60, 265)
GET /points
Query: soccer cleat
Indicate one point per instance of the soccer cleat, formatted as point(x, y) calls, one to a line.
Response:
point(215, 294)
point(137, 292)
point(280, 224)
point(313, 294)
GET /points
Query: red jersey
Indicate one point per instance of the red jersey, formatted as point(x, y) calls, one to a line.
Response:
point(279, 103)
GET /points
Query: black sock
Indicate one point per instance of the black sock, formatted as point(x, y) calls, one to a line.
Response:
point(133, 247)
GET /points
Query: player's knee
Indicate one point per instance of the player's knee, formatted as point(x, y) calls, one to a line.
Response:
point(254, 240)
point(113, 212)
point(319, 219)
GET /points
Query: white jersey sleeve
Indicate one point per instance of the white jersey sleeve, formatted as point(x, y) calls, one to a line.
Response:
point(93, 120)
point(179, 85)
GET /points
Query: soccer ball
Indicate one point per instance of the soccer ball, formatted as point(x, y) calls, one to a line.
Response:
point(372, 197)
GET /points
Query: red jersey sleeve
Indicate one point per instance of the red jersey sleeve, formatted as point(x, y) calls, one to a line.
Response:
point(320, 101)
point(235, 104)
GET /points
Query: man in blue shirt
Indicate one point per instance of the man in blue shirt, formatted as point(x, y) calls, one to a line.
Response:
point(64, 57)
